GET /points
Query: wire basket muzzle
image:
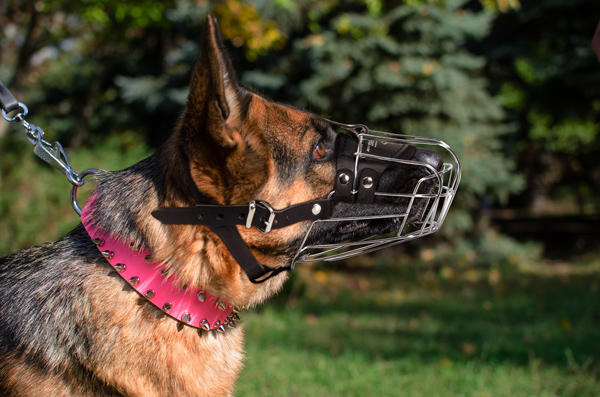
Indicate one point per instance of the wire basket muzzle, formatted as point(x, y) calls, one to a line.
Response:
point(389, 189)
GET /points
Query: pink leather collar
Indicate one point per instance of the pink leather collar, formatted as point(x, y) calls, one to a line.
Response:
point(192, 306)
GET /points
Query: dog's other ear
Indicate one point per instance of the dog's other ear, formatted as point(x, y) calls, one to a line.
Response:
point(215, 96)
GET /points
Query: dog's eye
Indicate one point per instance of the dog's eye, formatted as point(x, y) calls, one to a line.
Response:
point(320, 151)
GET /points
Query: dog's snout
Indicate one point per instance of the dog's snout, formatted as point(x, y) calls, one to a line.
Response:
point(429, 157)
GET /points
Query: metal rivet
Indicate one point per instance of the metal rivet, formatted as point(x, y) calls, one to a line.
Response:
point(201, 296)
point(98, 241)
point(108, 254)
point(344, 179)
point(148, 258)
point(231, 324)
point(205, 325)
point(316, 209)
point(236, 309)
point(183, 286)
point(234, 316)
point(134, 280)
point(120, 267)
point(149, 294)
point(217, 323)
point(186, 318)
point(367, 182)
point(167, 306)
point(221, 329)
point(221, 305)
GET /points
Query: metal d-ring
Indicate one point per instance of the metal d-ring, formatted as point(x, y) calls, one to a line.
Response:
point(80, 177)
point(19, 116)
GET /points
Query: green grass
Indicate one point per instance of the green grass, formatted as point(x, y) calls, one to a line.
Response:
point(528, 336)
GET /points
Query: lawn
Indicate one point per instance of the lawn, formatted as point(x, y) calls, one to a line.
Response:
point(421, 334)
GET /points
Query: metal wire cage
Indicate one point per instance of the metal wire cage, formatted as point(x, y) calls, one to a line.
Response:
point(423, 212)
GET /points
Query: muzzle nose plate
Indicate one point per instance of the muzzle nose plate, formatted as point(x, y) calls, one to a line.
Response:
point(429, 157)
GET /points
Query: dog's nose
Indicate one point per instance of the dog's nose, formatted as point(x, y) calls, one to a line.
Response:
point(429, 157)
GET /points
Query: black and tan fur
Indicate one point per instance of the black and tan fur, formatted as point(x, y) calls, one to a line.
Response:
point(69, 325)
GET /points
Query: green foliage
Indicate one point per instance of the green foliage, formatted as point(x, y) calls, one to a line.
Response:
point(135, 14)
point(422, 67)
point(568, 135)
point(546, 73)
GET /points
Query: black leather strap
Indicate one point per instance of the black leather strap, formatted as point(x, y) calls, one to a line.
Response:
point(223, 221)
point(8, 102)
point(232, 239)
point(219, 215)
point(346, 146)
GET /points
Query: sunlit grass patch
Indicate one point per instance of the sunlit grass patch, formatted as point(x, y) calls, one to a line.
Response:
point(538, 337)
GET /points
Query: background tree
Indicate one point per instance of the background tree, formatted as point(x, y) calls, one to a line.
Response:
point(93, 71)
point(546, 74)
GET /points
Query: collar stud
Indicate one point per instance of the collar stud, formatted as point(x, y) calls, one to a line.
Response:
point(205, 325)
point(221, 305)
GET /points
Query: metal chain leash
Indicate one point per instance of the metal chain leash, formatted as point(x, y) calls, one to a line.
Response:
point(52, 153)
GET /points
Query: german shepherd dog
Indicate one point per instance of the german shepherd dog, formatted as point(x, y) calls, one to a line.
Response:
point(70, 325)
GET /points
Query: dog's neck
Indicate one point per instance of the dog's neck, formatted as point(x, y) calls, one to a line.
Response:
point(190, 305)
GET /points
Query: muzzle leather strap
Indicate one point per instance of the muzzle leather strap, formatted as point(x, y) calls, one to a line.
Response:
point(223, 221)
point(8, 102)
point(256, 213)
point(236, 245)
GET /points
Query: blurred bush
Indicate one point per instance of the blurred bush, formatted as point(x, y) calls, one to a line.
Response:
point(508, 85)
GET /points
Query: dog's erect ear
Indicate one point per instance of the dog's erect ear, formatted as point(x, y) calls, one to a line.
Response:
point(215, 96)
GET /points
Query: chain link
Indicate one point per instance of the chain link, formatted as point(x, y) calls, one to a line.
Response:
point(52, 153)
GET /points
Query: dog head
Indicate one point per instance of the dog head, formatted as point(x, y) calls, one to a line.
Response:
point(234, 147)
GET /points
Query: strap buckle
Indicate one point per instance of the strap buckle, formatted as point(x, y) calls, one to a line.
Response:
point(268, 223)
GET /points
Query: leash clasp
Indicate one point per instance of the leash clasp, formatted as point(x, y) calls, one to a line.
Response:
point(268, 223)
point(52, 153)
